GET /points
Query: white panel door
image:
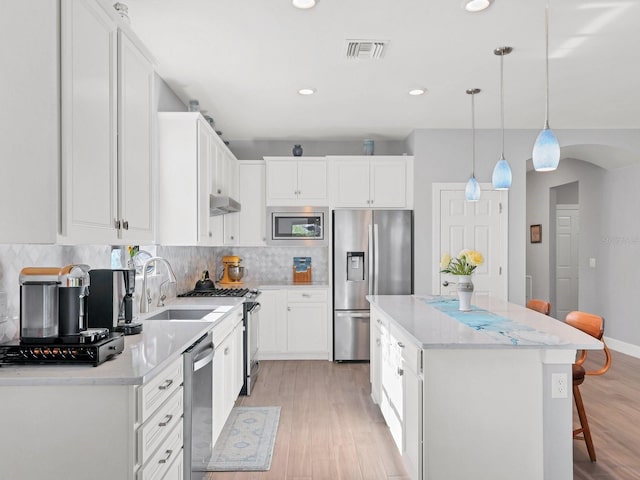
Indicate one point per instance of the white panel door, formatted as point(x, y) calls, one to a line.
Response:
point(567, 241)
point(480, 226)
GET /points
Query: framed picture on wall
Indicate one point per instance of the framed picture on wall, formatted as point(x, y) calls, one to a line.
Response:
point(536, 233)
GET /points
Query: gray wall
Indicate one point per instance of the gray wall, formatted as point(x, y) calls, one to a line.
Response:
point(541, 203)
point(445, 156)
point(618, 248)
point(255, 150)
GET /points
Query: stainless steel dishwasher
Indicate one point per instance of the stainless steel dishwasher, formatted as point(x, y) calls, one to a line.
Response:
point(198, 405)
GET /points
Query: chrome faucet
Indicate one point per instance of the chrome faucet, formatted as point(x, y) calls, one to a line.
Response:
point(145, 298)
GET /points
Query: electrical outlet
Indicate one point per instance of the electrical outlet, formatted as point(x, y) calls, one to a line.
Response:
point(559, 386)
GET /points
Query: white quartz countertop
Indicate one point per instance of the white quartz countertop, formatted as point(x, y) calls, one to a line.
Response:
point(517, 327)
point(145, 355)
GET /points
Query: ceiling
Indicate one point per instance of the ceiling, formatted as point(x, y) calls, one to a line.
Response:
point(245, 60)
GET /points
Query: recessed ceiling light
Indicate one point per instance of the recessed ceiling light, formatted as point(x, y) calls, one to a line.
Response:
point(307, 91)
point(304, 4)
point(417, 91)
point(476, 5)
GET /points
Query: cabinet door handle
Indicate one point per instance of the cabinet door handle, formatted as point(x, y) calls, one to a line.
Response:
point(210, 234)
point(288, 309)
point(401, 345)
point(125, 224)
point(168, 454)
point(378, 342)
point(116, 224)
point(378, 321)
point(166, 384)
point(219, 191)
point(226, 351)
point(166, 421)
point(400, 372)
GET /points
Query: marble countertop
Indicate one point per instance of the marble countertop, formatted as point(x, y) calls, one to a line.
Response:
point(515, 326)
point(145, 355)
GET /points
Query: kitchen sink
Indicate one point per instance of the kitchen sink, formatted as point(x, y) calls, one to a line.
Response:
point(180, 314)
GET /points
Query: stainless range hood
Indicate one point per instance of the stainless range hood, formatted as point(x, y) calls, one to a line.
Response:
point(221, 205)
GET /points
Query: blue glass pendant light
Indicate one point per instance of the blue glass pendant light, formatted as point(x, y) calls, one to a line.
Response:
point(472, 191)
point(501, 177)
point(546, 150)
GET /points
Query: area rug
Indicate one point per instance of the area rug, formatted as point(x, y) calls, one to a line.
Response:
point(246, 441)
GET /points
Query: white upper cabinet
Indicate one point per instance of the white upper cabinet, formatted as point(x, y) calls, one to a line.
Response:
point(30, 152)
point(189, 152)
point(185, 178)
point(252, 217)
point(371, 182)
point(136, 174)
point(107, 129)
point(296, 181)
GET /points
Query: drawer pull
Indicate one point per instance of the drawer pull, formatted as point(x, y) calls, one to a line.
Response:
point(166, 384)
point(401, 345)
point(306, 295)
point(168, 456)
point(400, 372)
point(166, 421)
point(226, 351)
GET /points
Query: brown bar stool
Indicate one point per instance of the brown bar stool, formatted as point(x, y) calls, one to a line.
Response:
point(539, 306)
point(594, 326)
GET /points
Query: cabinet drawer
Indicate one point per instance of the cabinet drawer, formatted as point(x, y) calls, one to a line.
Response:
point(159, 389)
point(161, 461)
point(155, 430)
point(315, 295)
point(226, 326)
point(176, 470)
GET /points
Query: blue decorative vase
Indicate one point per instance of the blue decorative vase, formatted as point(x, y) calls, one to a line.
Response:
point(297, 150)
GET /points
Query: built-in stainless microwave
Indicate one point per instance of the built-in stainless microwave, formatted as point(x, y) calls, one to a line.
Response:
point(297, 226)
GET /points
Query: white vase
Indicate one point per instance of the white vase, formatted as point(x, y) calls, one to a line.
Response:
point(465, 291)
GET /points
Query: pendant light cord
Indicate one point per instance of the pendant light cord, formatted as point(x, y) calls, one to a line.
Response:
point(546, 30)
point(473, 136)
point(502, 99)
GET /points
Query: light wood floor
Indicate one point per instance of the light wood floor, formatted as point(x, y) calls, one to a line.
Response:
point(330, 429)
point(329, 426)
point(612, 403)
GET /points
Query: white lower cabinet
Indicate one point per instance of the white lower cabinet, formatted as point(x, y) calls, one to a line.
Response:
point(102, 432)
point(397, 386)
point(227, 367)
point(294, 324)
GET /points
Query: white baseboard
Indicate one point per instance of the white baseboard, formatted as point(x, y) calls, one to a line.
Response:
point(623, 347)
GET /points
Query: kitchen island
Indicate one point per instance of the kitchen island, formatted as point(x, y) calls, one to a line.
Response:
point(484, 394)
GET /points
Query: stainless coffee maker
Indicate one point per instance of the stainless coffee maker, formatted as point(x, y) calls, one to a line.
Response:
point(53, 303)
point(111, 300)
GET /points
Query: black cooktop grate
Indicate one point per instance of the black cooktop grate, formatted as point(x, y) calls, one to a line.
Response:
point(216, 292)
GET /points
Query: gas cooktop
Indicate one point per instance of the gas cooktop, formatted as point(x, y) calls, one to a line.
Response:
point(216, 292)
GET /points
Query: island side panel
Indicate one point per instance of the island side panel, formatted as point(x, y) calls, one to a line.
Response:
point(483, 414)
point(71, 432)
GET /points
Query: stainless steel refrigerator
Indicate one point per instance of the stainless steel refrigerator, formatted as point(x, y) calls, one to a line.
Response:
point(372, 254)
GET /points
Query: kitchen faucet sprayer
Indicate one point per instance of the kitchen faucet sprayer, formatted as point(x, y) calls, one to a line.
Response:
point(145, 298)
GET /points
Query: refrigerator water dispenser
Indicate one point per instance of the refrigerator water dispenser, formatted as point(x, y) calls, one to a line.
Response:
point(355, 266)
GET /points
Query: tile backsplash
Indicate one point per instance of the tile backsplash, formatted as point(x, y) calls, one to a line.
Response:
point(265, 265)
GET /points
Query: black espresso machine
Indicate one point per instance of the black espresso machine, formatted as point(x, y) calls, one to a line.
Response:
point(53, 320)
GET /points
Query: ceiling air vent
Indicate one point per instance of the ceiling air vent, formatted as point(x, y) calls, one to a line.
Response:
point(366, 49)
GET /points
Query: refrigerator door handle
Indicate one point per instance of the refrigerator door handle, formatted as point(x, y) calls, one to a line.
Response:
point(371, 270)
point(376, 256)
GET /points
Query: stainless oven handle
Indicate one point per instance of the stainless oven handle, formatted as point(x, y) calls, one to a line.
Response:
point(203, 359)
point(255, 308)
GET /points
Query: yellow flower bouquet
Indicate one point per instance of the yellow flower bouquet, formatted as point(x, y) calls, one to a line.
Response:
point(464, 264)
